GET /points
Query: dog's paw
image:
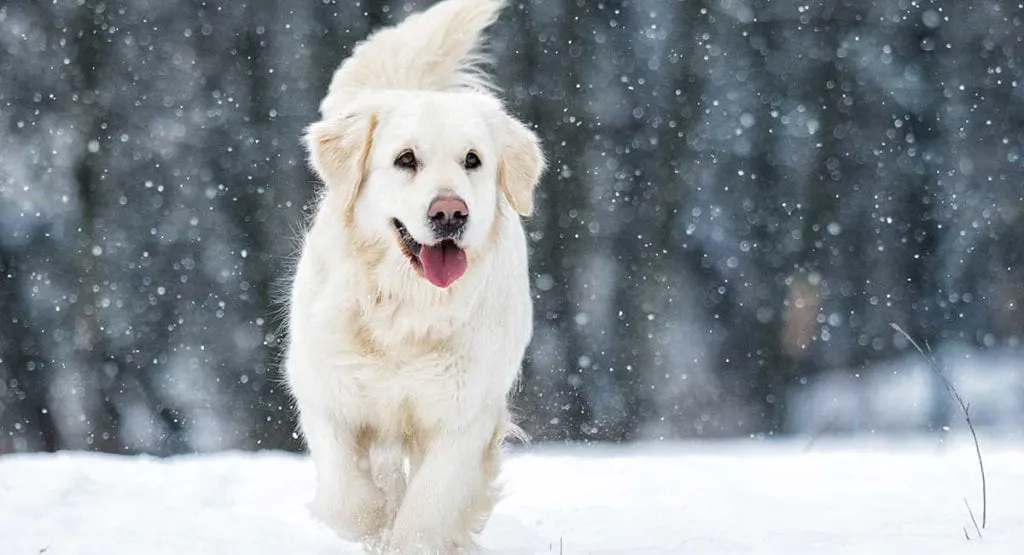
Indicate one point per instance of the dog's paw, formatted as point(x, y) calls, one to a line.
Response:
point(425, 544)
point(419, 549)
point(378, 544)
point(356, 517)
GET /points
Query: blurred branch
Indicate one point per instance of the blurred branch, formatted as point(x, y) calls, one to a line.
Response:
point(965, 409)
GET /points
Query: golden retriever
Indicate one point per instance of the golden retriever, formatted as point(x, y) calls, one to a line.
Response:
point(410, 311)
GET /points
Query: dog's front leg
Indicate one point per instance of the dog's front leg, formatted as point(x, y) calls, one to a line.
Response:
point(346, 498)
point(452, 490)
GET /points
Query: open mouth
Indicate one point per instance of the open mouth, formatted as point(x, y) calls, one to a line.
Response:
point(441, 263)
point(409, 245)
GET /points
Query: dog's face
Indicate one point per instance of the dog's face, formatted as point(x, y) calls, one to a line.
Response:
point(426, 173)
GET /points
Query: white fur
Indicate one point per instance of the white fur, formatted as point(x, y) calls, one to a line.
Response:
point(388, 370)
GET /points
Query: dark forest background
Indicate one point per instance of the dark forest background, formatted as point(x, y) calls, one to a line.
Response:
point(743, 195)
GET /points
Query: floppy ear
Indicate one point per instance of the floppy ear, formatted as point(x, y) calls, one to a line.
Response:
point(339, 148)
point(520, 166)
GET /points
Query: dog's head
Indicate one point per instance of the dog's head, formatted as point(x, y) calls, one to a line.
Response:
point(427, 173)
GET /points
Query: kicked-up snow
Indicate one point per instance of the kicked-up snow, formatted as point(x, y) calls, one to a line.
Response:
point(752, 497)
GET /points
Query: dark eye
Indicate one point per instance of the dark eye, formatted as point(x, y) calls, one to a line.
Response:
point(406, 160)
point(472, 161)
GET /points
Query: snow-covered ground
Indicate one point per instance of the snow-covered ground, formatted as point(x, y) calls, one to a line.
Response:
point(788, 497)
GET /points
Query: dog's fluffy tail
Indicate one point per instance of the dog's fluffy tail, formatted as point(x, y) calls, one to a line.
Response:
point(438, 49)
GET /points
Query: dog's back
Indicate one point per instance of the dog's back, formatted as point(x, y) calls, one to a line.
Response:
point(436, 50)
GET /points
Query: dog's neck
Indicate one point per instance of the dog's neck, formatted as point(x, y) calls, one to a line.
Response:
point(407, 308)
point(403, 308)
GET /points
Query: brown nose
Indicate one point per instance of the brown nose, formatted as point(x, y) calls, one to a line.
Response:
point(448, 214)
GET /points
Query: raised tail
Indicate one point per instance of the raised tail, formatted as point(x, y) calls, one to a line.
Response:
point(438, 49)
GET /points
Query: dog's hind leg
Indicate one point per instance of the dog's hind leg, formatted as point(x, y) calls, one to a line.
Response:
point(387, 463)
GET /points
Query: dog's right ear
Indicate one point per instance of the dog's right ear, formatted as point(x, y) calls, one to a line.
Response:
point(339, 150)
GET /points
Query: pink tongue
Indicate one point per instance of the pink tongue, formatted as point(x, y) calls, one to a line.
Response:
point(443, 263)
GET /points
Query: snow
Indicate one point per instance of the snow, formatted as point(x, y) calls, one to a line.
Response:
point(752, 497)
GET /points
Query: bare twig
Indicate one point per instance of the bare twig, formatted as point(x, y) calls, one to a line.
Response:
point(965, 409)
point(973, 520)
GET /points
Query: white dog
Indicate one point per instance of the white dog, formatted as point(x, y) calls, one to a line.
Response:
point(410, 309)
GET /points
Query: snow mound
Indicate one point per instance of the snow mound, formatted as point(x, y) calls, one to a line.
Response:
point(750, 497)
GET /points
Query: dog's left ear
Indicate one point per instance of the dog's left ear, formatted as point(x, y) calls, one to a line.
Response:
point(339, 149)
point(520, 166)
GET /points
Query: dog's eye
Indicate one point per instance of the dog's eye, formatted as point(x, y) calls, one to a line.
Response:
point(472, 161)
point(406, 160)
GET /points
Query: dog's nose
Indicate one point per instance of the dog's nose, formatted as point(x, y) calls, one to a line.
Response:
point(448, 215)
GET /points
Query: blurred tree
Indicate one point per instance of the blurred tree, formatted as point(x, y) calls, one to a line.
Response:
point(24, 416)
point(741, 196)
